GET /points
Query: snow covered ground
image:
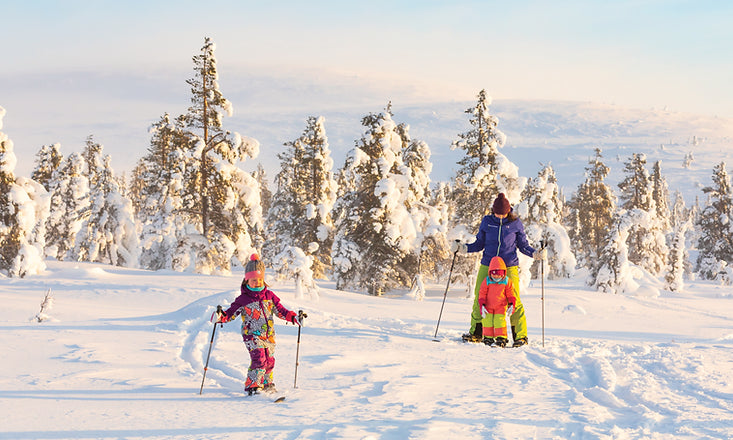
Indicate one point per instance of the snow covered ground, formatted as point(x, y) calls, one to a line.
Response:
point(122, 357)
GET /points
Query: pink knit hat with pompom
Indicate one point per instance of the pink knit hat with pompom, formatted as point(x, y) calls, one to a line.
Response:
point(254, 268)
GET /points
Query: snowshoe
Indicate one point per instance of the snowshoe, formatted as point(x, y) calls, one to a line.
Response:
point(468, 337)
point(488, 341)
point(520, 342)
point(501, 342)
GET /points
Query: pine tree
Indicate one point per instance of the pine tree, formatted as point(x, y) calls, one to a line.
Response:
point(428, 215)
point(716, 234)
point(660, 195)
point(301, 209)
point(647, 242)
point(611, 272)
point(374, 235)
point(222, 197)
point(541, 212)
point(69, 202)
point(108, 234)
point(591, 212)
point(484, 172)
point(23, 207)
point(265, 194)
point(48, 160)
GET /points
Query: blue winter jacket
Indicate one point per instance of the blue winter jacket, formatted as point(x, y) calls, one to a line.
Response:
point(500, 237)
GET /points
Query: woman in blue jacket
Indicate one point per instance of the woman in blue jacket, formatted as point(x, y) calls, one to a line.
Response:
point(501, 234)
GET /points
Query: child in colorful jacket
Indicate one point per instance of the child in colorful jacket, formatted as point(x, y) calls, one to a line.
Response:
point(495, 294)
point(258, 305)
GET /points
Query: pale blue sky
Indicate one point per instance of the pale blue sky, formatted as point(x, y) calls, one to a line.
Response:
point(69, 69)
point(632, 53)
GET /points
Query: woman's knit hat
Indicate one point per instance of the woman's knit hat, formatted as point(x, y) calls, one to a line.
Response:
point(254, 268)
point(501, 205)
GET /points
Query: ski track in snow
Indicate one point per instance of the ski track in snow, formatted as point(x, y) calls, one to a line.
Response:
point(644, 392)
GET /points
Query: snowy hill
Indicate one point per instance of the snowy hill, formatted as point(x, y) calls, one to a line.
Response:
point(123, 353)
point(563, 134)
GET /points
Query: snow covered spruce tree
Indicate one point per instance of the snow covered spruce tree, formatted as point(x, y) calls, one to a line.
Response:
point(428, 213)
point(299, 222)
point(223, 199)
point(592, 211)
point(23, 209)
point(647, 241)
point(541, 212)
point(678, 265)
point(375, 235)
point(715, 260)
point(484, 172)
point(169, 238)
point(612, 271)
point(48, 160)
point(108, 233)
point(69, 201)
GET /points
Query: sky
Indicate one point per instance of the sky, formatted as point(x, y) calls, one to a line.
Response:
point(117, 64)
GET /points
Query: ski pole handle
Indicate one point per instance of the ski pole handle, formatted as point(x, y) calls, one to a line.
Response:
point(301, 316)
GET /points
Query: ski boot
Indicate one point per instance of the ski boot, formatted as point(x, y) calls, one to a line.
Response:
point(501, 342)
point(253, 391)
point(520, 342)
point(488, 341)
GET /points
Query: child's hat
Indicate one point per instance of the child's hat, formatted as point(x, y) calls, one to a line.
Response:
point(254, 268)
point(497, 263)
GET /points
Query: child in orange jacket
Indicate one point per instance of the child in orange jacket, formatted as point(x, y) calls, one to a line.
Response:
point(495, 294)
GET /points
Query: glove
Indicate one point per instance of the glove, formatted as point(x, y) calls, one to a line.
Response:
point(540, 254)
point(510, 309)
point(223, 318)
point(484, 312)
point(292, 318)
point(458, 246)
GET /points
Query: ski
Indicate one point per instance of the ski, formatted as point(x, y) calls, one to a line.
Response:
point(268, 395)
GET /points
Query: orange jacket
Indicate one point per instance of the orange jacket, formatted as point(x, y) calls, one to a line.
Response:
point(494, 296)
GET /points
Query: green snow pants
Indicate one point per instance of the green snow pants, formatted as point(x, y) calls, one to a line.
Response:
point(517, 320)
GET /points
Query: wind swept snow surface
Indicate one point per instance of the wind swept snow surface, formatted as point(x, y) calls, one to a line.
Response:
point(123, 352)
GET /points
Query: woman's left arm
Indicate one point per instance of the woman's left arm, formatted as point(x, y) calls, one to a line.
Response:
point(522, 242)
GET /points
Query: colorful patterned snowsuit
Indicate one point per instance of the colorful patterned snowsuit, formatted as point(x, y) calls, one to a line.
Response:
point(495, 296)
point(258, 331)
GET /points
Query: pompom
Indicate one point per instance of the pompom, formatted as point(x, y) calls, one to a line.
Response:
point(254, 257)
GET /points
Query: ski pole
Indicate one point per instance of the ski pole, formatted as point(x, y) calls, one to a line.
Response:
point(301, 316)
point(542, 282)
point(445, 294)
point(219, 311)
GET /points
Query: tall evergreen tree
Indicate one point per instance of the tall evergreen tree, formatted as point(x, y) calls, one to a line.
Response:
point(647, 241)
point(301, 210)
point(591, 212)
point(23, 207)
point(69, 202)
point(48, 160)
point(541, 212)
point(108, 233)
point(484, 172)
point(374, 235)
point(169, 235)
point(611, 271)
point(716, 233)
point(223, 198)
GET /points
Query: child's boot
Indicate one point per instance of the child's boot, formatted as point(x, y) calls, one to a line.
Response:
point(501, 342)
point(488, 341)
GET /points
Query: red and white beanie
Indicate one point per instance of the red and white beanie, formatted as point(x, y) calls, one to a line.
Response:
point(254, 268)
